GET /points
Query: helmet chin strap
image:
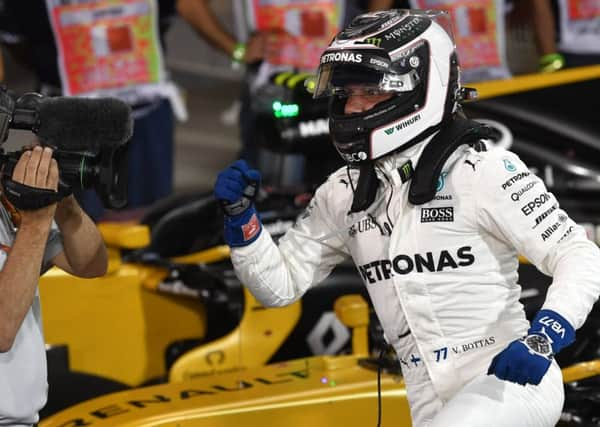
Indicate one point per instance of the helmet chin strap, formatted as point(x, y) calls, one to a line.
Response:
point(366, 188)
point(454, 132)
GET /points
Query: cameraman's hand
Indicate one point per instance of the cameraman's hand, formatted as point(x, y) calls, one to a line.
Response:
point(36, 168)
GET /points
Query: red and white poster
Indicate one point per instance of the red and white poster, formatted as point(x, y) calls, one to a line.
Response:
point(106, 46)
point(478, 27)
point(580, 26)
point(298, 31)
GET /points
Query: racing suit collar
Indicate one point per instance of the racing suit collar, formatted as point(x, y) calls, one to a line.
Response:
point(388, 166)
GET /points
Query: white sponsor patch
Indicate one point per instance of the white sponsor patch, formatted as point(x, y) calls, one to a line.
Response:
point(342, 57)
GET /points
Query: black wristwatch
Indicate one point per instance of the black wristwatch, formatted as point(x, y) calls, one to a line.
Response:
point(539, 344)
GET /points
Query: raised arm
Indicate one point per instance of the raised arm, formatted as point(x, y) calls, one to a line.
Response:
point(276, 275)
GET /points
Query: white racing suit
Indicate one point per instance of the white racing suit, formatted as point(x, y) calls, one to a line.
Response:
point(442, 277)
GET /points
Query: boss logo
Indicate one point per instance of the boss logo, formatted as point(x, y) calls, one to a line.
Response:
point(443, 214)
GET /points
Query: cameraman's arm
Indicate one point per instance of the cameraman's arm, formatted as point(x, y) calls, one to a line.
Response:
point(84, 252)
point(20, 274)
point(19, 278)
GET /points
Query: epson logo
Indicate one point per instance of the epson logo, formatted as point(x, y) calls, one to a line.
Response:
point(442, 214)
point(342, 57)
point(405, 264)
point(378, 62)
point(313, 128)
point(535, 203)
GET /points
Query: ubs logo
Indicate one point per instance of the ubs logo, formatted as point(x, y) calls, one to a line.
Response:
point(361, 226)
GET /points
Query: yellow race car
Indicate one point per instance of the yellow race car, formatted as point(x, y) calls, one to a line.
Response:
point(319, 391)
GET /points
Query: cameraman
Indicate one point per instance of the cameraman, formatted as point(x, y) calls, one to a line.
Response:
point(31, 242)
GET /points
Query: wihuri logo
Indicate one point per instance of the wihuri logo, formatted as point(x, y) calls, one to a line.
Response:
point(403, 125)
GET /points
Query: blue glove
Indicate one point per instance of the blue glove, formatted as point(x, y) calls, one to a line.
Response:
point(526, 361)
point(236, 189)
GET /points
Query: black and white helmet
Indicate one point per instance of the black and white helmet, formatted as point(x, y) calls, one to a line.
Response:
point(409, 53)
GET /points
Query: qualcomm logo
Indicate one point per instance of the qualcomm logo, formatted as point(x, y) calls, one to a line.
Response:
point(313, 128)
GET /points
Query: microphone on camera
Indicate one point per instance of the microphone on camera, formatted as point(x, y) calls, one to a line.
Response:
point(75, 124)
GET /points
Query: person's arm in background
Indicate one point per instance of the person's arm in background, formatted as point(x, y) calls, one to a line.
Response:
point(200, 15)
point(544, 26)
point(1, 66)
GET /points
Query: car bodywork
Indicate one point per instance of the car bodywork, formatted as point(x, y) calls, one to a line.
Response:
point(320, 390)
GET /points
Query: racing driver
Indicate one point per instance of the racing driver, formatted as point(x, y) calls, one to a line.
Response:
point(440, 258)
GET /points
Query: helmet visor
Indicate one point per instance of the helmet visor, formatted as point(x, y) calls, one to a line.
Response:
point(373, 72)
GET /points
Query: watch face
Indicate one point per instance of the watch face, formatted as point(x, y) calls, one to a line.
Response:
point(539, 344)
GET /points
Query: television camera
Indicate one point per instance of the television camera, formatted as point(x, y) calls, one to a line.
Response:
point(87, 135)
